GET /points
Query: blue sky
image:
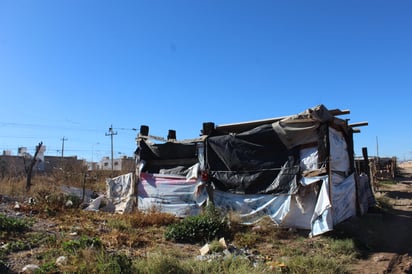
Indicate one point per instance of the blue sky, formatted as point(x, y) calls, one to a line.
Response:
point(74, 68)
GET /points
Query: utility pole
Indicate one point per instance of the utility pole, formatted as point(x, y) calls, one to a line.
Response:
point(111, 133)
point(377, 147)
point(63, 139)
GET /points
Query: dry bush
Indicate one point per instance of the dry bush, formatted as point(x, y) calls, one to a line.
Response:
point(116, 239)
point(116, 230)
point(235, 222)
point(139, 219)
point(151, 218)
point(48, 197)
point(13, 186)
point(16, 186)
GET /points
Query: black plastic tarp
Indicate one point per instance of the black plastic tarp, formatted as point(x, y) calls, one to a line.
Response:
point(176, 156)
point(250, 162)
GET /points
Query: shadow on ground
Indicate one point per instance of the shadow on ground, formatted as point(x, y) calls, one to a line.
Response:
point(384, 229)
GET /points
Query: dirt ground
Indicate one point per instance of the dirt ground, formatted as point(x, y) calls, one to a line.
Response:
point(385, 236)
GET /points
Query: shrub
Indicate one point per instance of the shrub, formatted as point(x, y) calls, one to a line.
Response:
point(18, 246)
point(83, 242)
point(115, 263)
point(13, 224)
point(202, 228)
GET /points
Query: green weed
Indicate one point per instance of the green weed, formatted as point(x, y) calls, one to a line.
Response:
point(84, 242)
point(12, 224)
point(202, 228)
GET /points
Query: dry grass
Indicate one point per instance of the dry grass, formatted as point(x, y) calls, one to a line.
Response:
point(13, 187)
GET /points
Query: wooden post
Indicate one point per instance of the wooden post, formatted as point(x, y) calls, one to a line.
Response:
point(367, 168)
point(29, 169)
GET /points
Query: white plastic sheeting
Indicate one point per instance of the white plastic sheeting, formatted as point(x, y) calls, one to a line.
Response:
point(170, 194)
point(311, 208)
point(343, 197)
point(120, 191)
point(338, 151)
point(95, 203)
point(322, 216)
point(334, 204)
point(307, 205)
point(309, 158)
point(302, 210)
point(251, 208)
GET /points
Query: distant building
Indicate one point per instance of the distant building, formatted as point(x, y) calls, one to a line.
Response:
point(11, 165)
point(52, 163)
point(121, 164)
point(14, 165)
point(22, 151)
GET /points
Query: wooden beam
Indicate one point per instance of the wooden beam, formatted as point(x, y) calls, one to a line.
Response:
point(359, 124)
point(243, 126)
point(336, 112)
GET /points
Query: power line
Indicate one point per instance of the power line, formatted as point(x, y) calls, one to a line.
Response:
point(122, 128)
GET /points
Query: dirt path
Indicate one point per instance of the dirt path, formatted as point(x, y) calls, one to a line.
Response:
point(385, 235)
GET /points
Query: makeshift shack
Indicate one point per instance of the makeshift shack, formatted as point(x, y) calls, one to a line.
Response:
point(298, 170)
